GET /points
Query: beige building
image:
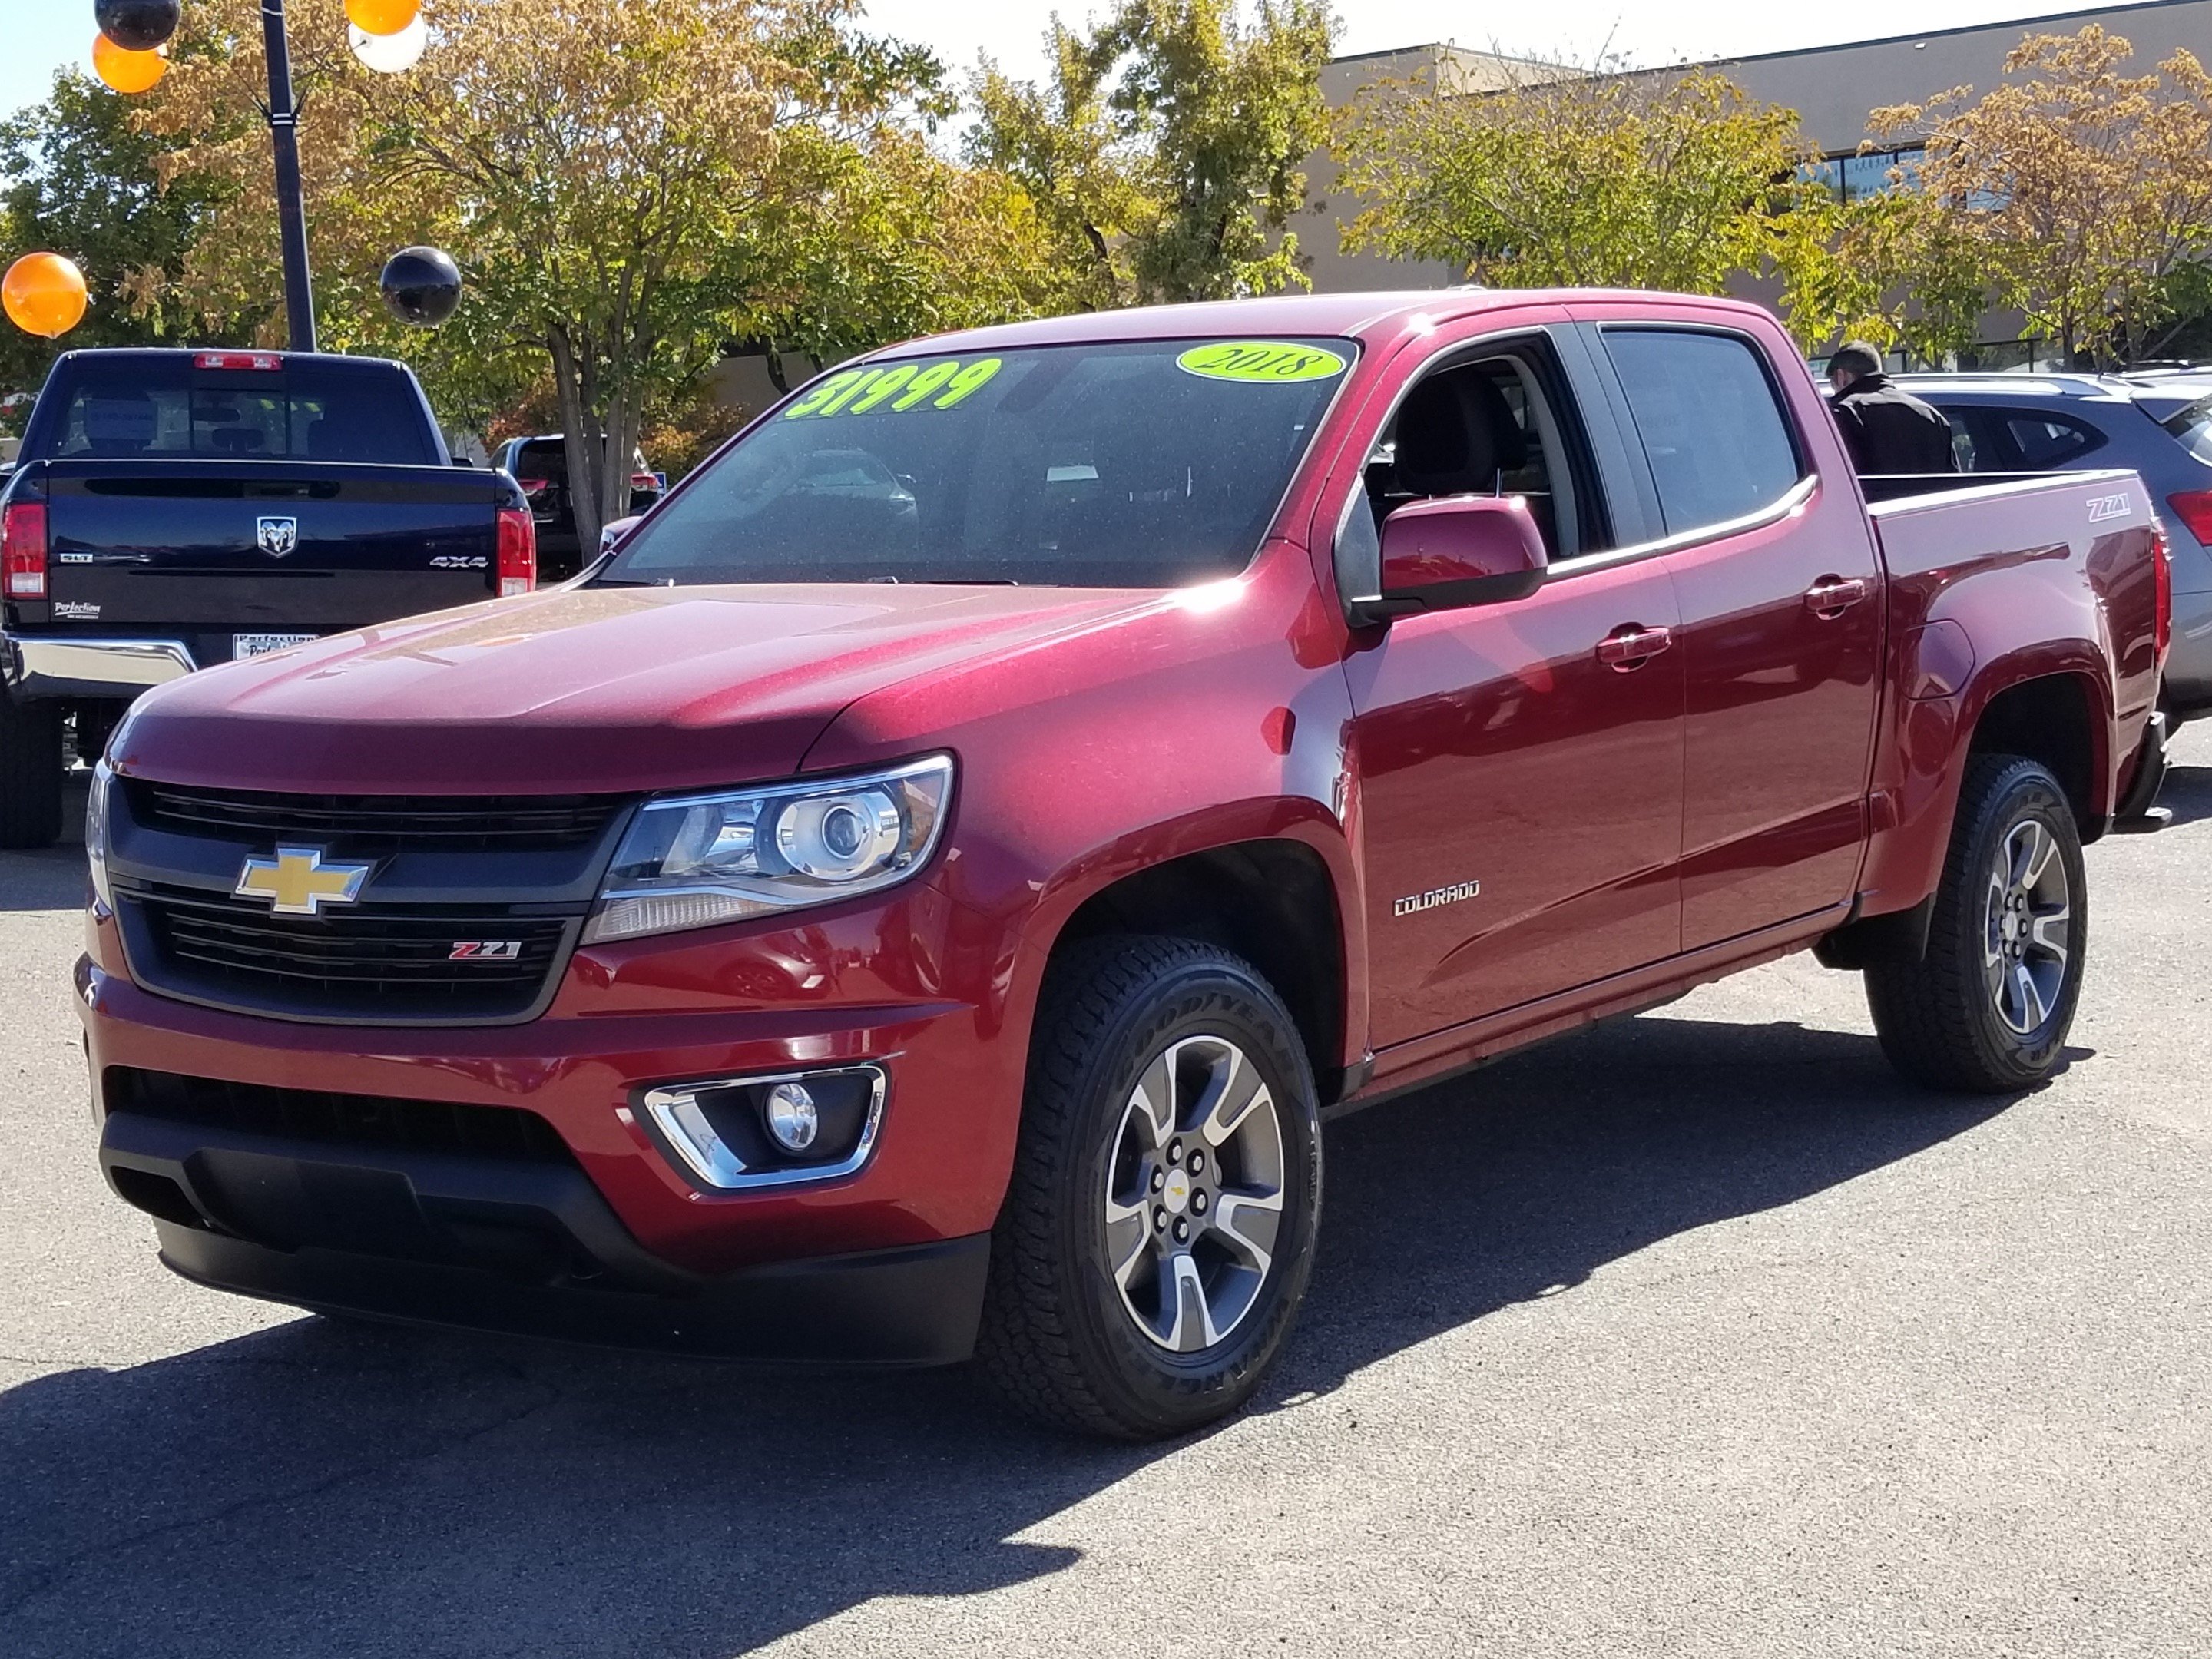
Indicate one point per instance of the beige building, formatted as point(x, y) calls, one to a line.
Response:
point(1832, 89)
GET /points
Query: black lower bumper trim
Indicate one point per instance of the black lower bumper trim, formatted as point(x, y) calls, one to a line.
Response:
point(532, 1250)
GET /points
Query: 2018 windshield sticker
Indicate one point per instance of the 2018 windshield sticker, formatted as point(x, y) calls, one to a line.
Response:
point(1268, 362)
point(898, 387)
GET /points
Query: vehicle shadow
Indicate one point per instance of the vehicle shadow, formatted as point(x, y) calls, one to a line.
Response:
point(327, 1488)
point(52, 877)
point(2187, 795)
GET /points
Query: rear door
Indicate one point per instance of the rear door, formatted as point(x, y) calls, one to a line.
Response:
point(1520, 764)
point(1774, 564)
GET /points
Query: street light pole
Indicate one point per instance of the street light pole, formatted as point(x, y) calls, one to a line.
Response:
point(291, 212)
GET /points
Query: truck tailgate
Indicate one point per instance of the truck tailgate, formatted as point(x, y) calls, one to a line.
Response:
point(308, 547)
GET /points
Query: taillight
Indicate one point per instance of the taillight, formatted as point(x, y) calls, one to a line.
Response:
point(518, 551)
point(2161, 558)
point(23, 551)
point(644, 481)
point(2194, 508)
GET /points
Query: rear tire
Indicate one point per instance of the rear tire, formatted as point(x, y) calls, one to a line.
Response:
point(1986, 1011)
point(30, 773)
point(1157, 1233)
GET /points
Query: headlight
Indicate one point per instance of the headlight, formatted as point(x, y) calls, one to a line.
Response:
point(95, 831)
point(694, 860)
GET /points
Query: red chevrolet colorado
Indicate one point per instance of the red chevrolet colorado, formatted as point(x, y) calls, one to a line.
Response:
point(919, 894)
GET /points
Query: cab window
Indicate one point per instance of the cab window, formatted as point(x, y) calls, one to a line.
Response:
point(1499, 423)
point(1719, 446)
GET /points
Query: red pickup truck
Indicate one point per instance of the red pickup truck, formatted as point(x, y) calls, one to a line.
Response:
point(920, 893)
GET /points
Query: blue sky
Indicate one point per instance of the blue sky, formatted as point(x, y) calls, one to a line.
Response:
point(38, 36)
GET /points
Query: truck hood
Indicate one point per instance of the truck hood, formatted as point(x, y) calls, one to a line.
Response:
point(580, 691)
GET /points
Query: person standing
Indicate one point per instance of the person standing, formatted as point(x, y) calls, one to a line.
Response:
point(1886, 429)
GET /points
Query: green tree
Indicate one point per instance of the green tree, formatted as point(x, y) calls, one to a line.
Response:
point(1891, 266)
point(76, 178)
point(1163, 150)
point(1576, 177)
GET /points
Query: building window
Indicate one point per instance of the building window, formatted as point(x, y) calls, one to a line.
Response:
point(1848, 178)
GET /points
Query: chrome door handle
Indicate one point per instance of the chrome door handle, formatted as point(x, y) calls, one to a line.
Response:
point(1831, 596)
point(1630, 647)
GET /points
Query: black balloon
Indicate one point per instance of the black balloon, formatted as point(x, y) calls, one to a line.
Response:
point(421, 285)
point(137, 25)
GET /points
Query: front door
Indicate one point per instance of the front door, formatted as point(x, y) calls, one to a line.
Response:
point(1521, 763)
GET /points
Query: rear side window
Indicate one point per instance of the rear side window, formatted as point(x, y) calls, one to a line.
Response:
point(1966, 450)
point(1719, 446)
point(166, 409)
point(2041, 440)
point(2193, 428)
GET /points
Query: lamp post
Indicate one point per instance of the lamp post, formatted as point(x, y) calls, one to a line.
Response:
point(291, 209)
point(131, 55)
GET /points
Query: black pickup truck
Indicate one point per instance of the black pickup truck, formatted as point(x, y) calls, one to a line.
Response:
point(172, 509)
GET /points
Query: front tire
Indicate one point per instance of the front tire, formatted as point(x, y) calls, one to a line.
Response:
point(1158, 1234)
point(1986, 1011)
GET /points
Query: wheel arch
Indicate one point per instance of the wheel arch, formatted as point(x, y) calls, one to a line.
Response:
point(1274, 901)
point(2052, 719)
point(2054, 713)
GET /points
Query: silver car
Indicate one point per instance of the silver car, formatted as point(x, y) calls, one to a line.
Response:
point(2159, 423)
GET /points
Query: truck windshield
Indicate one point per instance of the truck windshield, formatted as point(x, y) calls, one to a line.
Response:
point(158, 407)
point(1151, 464)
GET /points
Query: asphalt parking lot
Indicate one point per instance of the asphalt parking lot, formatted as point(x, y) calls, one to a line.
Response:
point(1698, 1335)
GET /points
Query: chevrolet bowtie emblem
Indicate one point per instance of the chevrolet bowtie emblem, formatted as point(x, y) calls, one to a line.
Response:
point(298, 883)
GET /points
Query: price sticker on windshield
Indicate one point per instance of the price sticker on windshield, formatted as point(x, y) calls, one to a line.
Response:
point(895, 388)
point(1266, 363)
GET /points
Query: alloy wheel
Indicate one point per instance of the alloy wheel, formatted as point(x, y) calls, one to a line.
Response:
point(1193, 1198)
point(2025, 923)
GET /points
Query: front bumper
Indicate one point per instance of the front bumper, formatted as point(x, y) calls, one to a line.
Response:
point(608, 1235)
point(527, 1249)
point(36, 667)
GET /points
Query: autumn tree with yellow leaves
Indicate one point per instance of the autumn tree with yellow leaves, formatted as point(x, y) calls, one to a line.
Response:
point(2084, 192)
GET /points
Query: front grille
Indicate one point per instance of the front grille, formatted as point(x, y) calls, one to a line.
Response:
point(386, 823)
point(368, 964)
point(370, 1122)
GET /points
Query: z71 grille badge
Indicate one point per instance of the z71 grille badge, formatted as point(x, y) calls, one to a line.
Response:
point(486, 950)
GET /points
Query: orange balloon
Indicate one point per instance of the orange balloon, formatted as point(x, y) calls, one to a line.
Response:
point(381, 16)
point(44, 294)
point(128, 71)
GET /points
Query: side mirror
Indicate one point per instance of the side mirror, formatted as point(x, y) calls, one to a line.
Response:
point(1454, 552)
point(615, 530)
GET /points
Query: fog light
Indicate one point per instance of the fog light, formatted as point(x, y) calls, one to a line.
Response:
point(737, 1132)
point(791, 1117)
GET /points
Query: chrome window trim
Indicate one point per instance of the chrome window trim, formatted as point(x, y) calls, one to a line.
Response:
point(1799, 494)
point(717, 1168)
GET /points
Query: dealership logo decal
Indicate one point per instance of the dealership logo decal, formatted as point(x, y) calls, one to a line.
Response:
point(1435, 896)
point(276, 536)
point(298, 881)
